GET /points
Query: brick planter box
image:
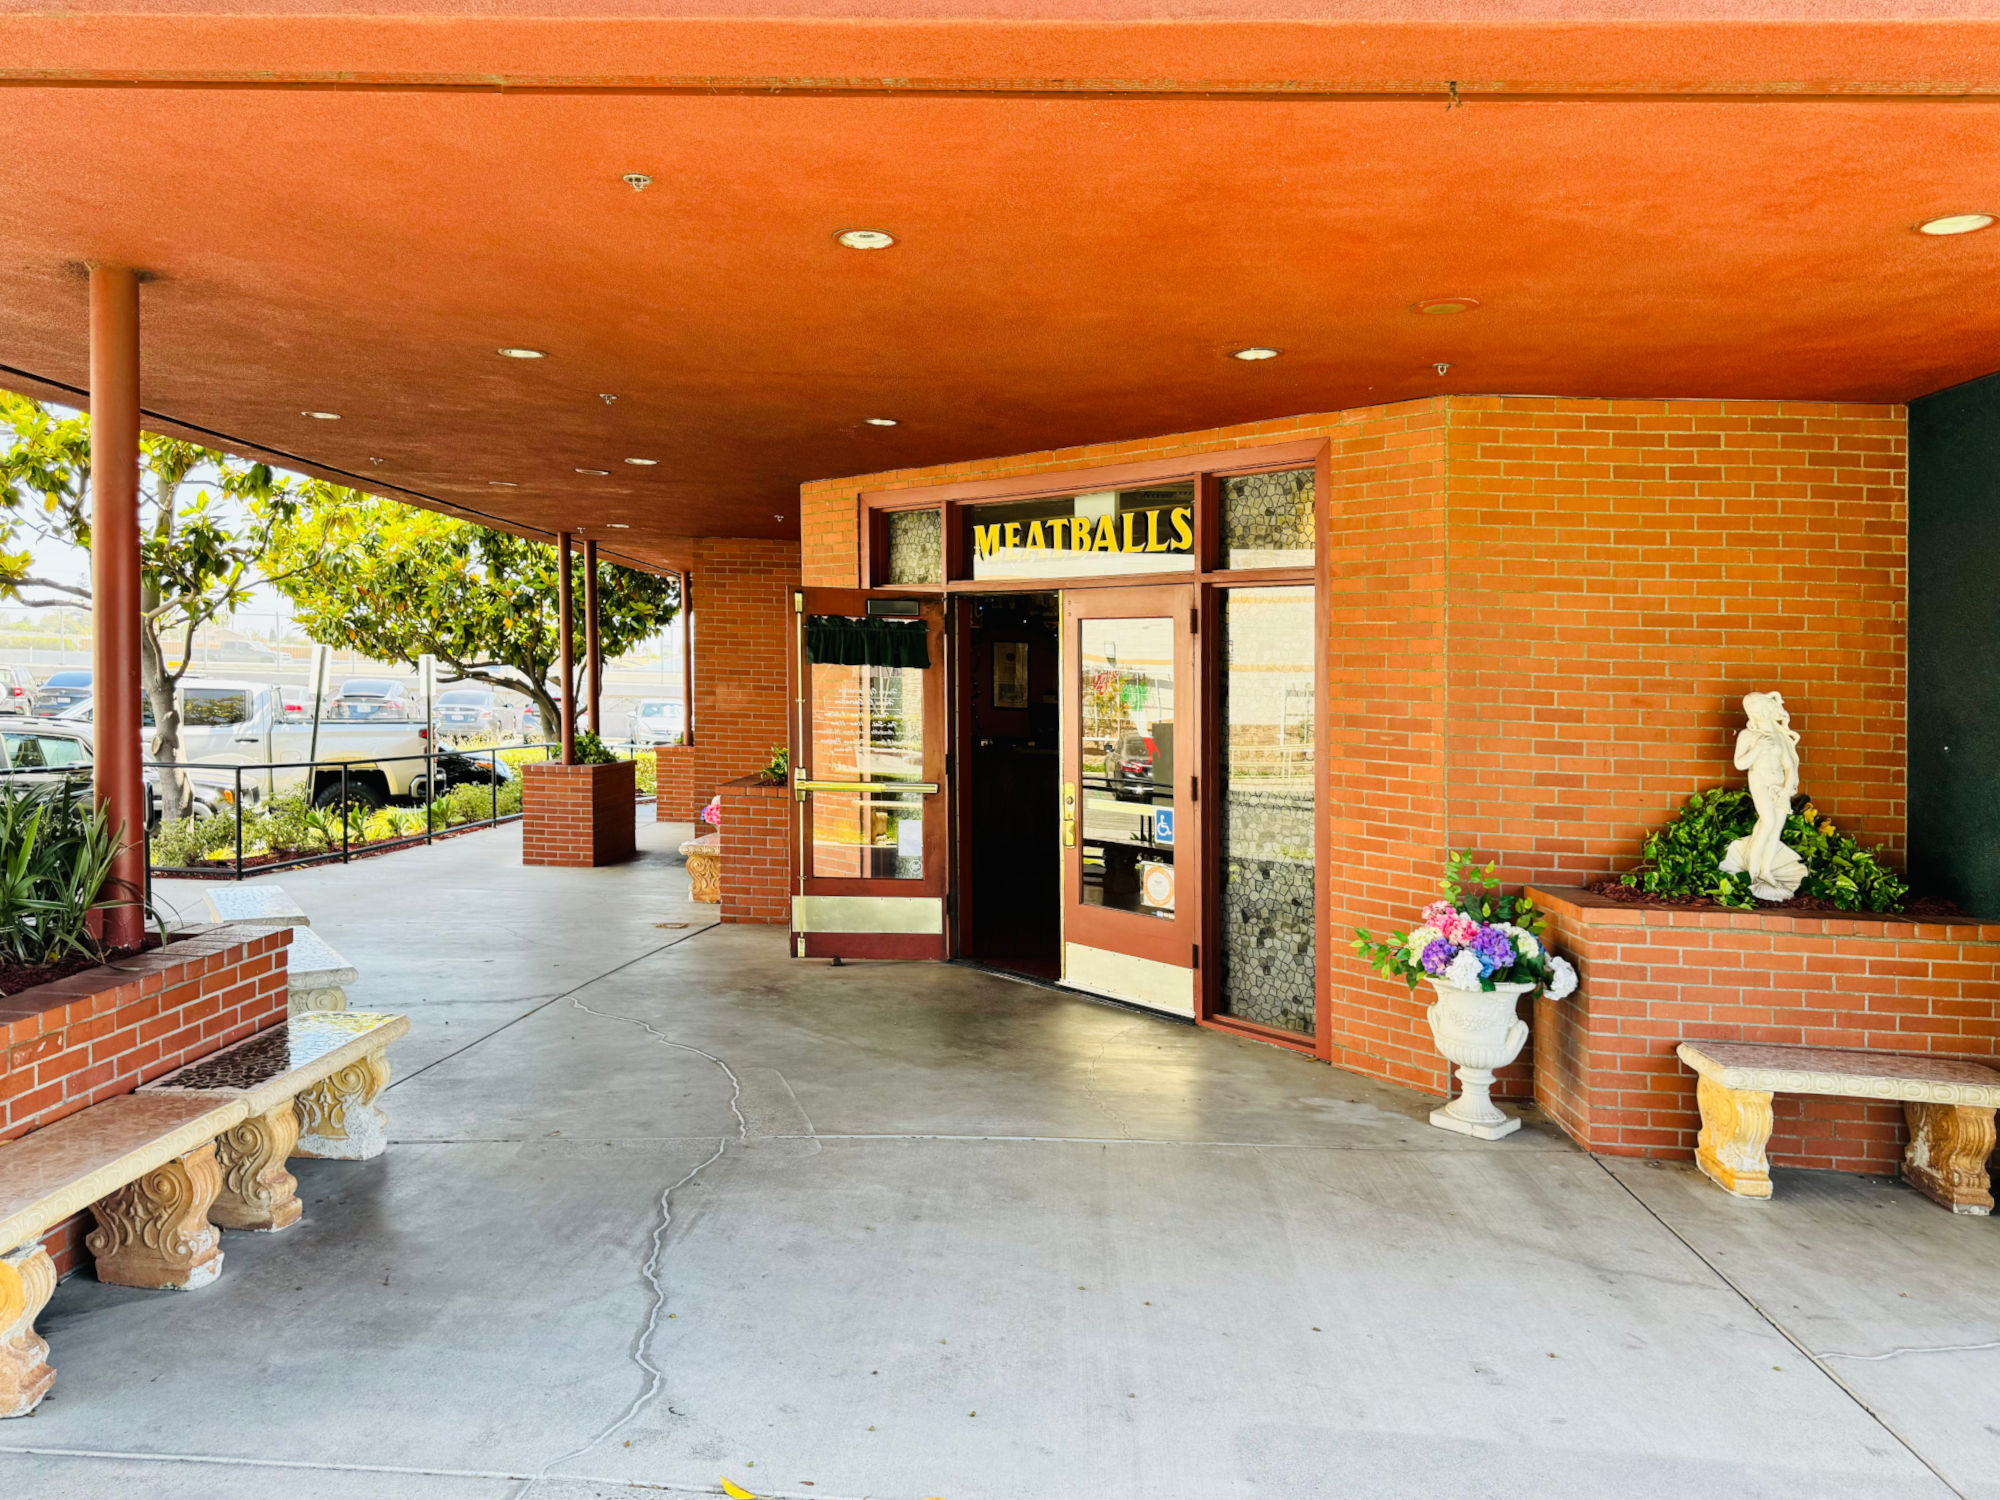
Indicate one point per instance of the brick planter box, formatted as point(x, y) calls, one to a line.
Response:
point(1605, 1068)
point(756, 851)
point(677, 799)
point(81, 1040)
point(579, 815)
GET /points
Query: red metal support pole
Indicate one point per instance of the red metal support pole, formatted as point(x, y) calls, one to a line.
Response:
point(687, 657)
point(593, 650)
point(118, 770)
point(566, 648)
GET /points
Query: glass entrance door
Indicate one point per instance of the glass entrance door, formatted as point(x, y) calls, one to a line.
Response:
point(869, 741)
point(1130, 820)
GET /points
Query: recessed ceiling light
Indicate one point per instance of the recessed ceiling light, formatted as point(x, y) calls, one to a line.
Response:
point(374, 460)
point(606, 397)
point(619, 525)
point(644, 463)
point(1441, 367)
point(521, 353)
point(1955, 224)
point(593, 471)
point(505, 484)
point(880, 421)
point(866, 239)
point(638, 182)
point(1442, 305)
point(1256, 352)
point(322, 416)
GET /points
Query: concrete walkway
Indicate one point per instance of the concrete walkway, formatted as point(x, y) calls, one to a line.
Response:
point(664, 1206)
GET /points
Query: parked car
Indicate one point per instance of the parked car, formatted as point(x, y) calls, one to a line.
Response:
point(40, 747)
point(245, 651)
point(531, 721)
point(17, 690)
point(372, 700)
point(462, 713)
point(658, 721)
point(62, 690)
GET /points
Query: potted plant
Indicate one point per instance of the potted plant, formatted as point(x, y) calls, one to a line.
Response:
point(1481, 951)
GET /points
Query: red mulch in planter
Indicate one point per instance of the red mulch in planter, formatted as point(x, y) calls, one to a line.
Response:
point(1917, 909)
point(14, 979)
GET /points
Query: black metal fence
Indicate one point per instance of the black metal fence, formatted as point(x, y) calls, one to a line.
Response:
point(338, 793)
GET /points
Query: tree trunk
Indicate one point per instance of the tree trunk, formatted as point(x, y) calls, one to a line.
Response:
point(175, 791)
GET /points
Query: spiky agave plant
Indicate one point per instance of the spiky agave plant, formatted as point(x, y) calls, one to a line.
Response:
point(56, 853)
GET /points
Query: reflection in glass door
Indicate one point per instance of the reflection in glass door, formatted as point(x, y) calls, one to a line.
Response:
point(1128, 810)
point(1126, 786)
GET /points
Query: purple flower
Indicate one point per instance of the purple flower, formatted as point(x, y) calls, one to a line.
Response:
point(1438, 956)
point(1494, 948)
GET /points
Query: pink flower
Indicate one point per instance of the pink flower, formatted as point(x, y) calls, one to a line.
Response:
point(1459, 928)
point(1438, 913)
point(712, 814)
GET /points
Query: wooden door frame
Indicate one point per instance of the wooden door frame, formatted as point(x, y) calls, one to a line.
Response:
point(937, 834)
point(1177, 940)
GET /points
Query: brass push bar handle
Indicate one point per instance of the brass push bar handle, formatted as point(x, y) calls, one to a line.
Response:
point(928, 788)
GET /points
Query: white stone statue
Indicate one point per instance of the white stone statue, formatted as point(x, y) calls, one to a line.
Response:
point(1769, 751)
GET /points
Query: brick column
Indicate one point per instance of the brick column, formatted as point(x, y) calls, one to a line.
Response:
point(756, 851)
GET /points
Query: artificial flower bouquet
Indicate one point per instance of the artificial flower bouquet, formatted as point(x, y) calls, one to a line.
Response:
point(1474, 938)
point(712, 814)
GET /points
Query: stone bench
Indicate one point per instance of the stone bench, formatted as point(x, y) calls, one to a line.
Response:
point(160, 1169)
point(146, 1167)
point(704, 861)
point(317, 974)
point(254, 906)
point(1949, 1107)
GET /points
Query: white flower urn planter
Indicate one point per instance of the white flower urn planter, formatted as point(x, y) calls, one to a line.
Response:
point(1478, 1031)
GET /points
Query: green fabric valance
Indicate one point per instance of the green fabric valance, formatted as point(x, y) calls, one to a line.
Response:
point(868, 642)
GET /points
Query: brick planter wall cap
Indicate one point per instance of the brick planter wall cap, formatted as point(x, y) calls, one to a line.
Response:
point(756, 783)
point(190, 950)
point(1575, 904)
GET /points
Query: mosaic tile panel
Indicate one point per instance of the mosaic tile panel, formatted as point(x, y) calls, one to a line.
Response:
point(1268, 875)
point(916, 547)
point(1267, 520)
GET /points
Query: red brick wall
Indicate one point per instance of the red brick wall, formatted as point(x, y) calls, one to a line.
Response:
point(87, 1038)
point(1651, 979)
point(756, 852)
point(1622, 572)
point(742, 633)
point(578, 815)
point(675, 770)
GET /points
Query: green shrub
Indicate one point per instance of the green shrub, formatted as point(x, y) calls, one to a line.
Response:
point(592, 751)
point(647, 766)
point(1684, 858)
point(187, 841)
point(56, 851)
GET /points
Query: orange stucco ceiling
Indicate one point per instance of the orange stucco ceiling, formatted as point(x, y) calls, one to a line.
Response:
point(349, 211)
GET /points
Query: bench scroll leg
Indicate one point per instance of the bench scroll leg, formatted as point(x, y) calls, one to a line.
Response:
point(155, 1232)
point(1946, 1158)
point(257, 1192)
point(27, 1277)
point(1735, 1128)
point(338, 1117)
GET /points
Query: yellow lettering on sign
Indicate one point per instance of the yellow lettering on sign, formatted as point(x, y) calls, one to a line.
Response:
point(986, 540)
point(1131, 542)
point(1107, 536)
point(1013, 533)
point(1183, 528)
point(1035, 542)
point(1079, 533)
point(1153, 542)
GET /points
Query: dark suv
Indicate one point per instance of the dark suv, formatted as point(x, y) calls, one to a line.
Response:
point(62, 690)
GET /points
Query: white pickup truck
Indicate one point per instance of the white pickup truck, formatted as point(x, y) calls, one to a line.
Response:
point(227, 723)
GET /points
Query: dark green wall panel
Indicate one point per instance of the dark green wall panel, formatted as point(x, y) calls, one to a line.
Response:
point(1955, 645)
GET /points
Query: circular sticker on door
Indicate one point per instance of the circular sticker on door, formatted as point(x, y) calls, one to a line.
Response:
point(1156, 885)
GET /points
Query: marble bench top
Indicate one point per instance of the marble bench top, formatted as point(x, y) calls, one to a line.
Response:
point(63, 1168)
point(255, 906)
point(708, 843)
point(314, 965)
point(282, 1061)
point(1768, 1068)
